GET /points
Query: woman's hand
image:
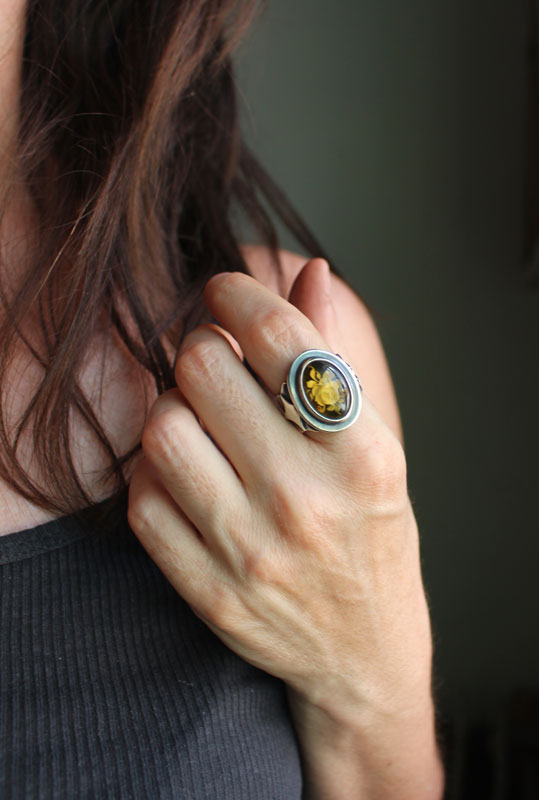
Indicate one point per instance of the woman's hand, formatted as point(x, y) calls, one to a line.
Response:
point(300, 551)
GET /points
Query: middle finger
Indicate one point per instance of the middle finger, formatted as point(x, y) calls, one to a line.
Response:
point(270, 331)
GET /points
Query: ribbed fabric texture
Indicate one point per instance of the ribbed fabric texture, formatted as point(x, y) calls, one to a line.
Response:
point(112, 688)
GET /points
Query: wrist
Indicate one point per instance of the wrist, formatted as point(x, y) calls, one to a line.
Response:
point(368, 753)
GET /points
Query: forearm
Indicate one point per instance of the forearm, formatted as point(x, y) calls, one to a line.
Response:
point(374, 757)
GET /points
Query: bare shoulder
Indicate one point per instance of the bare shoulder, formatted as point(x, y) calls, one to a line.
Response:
point(365, 348)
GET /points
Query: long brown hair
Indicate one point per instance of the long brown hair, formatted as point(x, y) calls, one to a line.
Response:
point(130, 148)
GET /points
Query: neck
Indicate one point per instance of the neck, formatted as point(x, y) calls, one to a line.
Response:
point(12, 23)
point(14, 206)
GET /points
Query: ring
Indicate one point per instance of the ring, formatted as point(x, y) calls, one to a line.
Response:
point(321, 393)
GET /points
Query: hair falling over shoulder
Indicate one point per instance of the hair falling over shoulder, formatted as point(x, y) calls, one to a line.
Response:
point(130, 150)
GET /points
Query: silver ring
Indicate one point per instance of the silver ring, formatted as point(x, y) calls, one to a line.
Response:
point(321, 393)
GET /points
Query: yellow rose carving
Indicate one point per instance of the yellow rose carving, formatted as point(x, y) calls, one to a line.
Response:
point(326, 392)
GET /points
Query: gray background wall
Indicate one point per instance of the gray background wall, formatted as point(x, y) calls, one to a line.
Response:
point(399, 131)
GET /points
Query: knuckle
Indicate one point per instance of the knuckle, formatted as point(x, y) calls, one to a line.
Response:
point(384, 471)
point(284, 506)
point(196, 362)
point(165, 433)
point(300, 513)
point(261, 566)
point(140, 512)
point(276, 329)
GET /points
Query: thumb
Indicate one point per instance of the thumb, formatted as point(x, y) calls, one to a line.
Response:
point(311, 294)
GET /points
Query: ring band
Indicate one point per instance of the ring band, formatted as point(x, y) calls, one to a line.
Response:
point(321, 392)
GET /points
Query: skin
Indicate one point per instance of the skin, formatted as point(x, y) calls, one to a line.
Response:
point(11, 41)
point(304, 562)
point(112, 382)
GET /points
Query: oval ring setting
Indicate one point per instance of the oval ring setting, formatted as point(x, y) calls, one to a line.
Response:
point(321, 392)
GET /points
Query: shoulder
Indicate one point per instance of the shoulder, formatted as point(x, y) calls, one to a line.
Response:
point(365, 349)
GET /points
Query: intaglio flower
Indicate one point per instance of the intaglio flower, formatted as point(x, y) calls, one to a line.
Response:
point(326, 392)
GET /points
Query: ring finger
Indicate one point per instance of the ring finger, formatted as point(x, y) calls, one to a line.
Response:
point(272, 333)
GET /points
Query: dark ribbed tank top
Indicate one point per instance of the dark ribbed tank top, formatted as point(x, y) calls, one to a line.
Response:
point(112, 688)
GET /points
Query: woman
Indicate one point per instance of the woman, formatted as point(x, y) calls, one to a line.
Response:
point(276, 641)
